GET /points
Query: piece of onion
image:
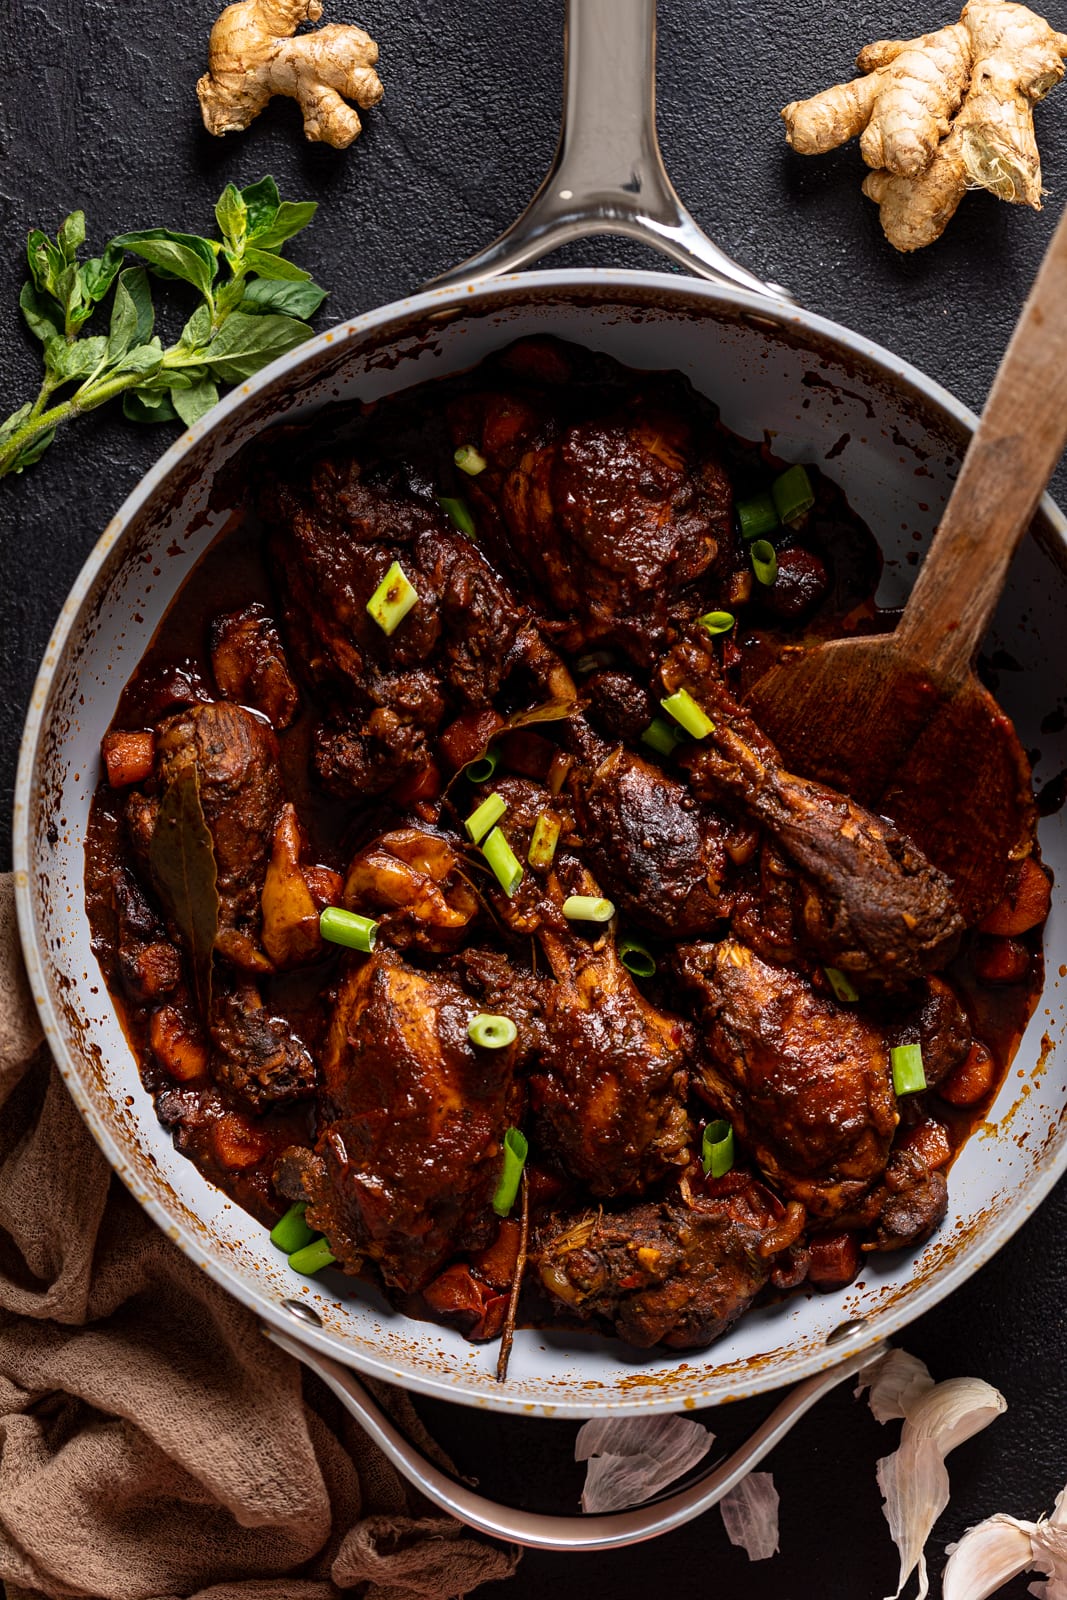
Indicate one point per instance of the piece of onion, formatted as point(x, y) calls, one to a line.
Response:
point(913, 1480)
point(1001, 1547)
point(750, 1516)
point(633, 1458)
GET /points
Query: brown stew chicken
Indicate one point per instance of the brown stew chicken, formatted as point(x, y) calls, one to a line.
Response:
point(772, 943)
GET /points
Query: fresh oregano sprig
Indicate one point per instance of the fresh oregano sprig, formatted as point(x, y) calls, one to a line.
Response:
point(253, 306)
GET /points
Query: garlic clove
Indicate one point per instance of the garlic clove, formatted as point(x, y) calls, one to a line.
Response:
point(987, 1557)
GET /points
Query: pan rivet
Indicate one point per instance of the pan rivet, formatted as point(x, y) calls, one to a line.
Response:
point(297, 1308)
point(844, 1331)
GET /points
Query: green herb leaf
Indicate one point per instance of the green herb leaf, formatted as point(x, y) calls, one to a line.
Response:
point(300, 300)
point(33, 451)
point(290, 218)
point(262, 201)
point(43, 316)
point(71, 236)
point(231, 213)
point(270, 265)
point(99, 273)
point(67, 361)
point(192, 401)
point(148, 405)
point(143, 358)
point(197, 330)
point(132, 314)
point(174, 255)
point(45, 262)
point(181, 859)
point(244, 344)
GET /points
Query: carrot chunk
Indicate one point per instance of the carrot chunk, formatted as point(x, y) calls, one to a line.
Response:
point(128, 757)
point(1025, 901)
point(972, 1081)
point(177, 1044)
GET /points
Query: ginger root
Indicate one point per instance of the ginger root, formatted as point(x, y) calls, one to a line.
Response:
point(941, 114)
point(253, 55)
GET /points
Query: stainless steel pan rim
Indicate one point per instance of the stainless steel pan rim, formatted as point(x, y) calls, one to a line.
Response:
point(673, 294)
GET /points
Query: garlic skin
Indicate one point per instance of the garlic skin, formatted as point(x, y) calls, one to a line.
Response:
point(1001, 1547)
point(913, 1480)
point(632, 1458)
point(750, 1516)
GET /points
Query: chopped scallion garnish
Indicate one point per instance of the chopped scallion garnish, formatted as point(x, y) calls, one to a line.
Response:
point(844, 989)
point(661, 736)
point(312, 1258)
point(542, 849)
point(793, 494)
point(516, 1150)
point(685, 711)
point(764, 562)
point(291, 1232)
point(491, 1032)
point(485, 816)
point(482, 770)
point(348, 928)
point(716, 622)
point(909, 1076)
point(756, 516)
point(501, 857)
point(637, 958)
point(470, 460)
point(458, 513)
point(587, 908)
point(717, 1149)
point(392, 599)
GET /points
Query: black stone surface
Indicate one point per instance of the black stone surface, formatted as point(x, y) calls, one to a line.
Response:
point(98, 110)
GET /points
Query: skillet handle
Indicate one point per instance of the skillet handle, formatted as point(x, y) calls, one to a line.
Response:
point(608, 174)
point(577, 1533)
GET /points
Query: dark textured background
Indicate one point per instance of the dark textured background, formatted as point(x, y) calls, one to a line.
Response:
point(99, 111)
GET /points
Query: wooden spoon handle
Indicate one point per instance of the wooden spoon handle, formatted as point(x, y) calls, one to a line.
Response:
point(1019, 439)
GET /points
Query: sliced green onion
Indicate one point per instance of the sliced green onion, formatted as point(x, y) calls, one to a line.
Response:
point(482, 770)
point(542, 849)
point(485, 816)
point(637, 958)
point(501, 857)
point(685, 711)
point(348, 928)
point(764, 561)
point(757, 516)
point(844, 989)
point(587, 908)
point(906, 1061)
point(515, 1152)
point(291, 1232)
point(312, 1258)
point(492, 1033)
point(717, 1149)
point(661, 736)
point(458, 513)
point(716, 622)
point(470, 460)
point(392, 599)
point(793, 494)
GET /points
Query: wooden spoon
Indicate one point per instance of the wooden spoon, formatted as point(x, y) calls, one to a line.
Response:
point(899, 720)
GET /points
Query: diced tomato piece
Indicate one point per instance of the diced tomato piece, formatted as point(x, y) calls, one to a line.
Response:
point(128, 757)
point(468, 736)
point(1024, 903)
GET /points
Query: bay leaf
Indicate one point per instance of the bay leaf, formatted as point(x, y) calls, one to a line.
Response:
point(184, 871)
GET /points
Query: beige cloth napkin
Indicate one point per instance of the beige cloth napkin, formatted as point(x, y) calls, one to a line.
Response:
point(152, 1443)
